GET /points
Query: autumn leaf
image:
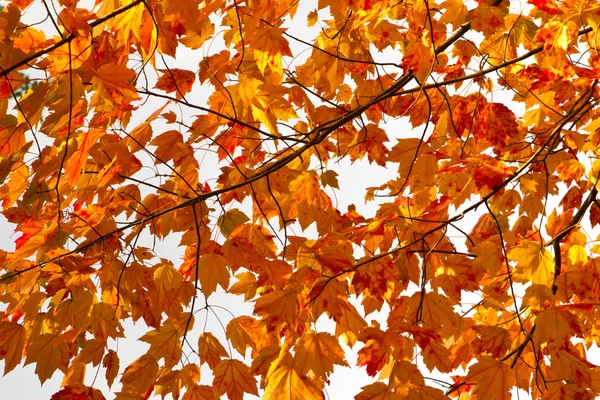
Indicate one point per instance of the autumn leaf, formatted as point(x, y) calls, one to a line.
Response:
point(534, 263)
point(71, 392)
point(199, 392)
point(245, 332)
point(176, 80)
point(210, 349)
point(425, 166)
point(49, 353)
point(212, 271)
point(230, 220)
point(269, 49)
point(233, 377)
point(285, 383)
point(493, 378)
point(140, 375)
point(556, 327)
point(12, 341)
point(318, 352)
point(376, 391)
point(111, 363)
point(113, 82)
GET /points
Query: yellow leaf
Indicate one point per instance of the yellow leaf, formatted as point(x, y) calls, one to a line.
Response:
point(269, 48)
point(578, 254)
point(318, 352)
point(286, 384)
point(534, 264)
point(233, 377)
point(247, 89)
point(212, 270)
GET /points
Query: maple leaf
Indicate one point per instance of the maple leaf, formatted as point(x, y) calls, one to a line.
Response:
point(534, 264)
point(210, 350)
point(245, 332)
point(49, 353)
point(285, 383)
point(199, 392)
point(72, 392)
point(493, 378)
point(140, 375)
point(176, 80)
point(269, 49)
point(233, 377)
point(113, 82)
point(164, 343)
point(318, 352)
point(12, 341)
point(109, 150)
point(376, 391)
point(212, 271)
point(111, 363)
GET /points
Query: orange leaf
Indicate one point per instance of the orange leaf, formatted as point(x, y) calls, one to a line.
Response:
point(318, 352)
point(111, 363)
point(233, 377)
point(49, 353)
point(12, 135)
point(113, 82)
point(285, 384)
point(210, 350)
point(494, 379)
point(176, 80)
point(140, 375)
point(534, 264)
point(269, 49)
point(244, 332)
point(78, 392)
point(165, 341)
point(199, 392)
point(12, 341)
point(212, 271)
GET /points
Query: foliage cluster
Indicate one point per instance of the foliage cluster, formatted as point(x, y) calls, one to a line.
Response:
point(111, 151)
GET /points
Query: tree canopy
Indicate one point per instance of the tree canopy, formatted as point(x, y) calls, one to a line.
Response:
point(469, 268)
